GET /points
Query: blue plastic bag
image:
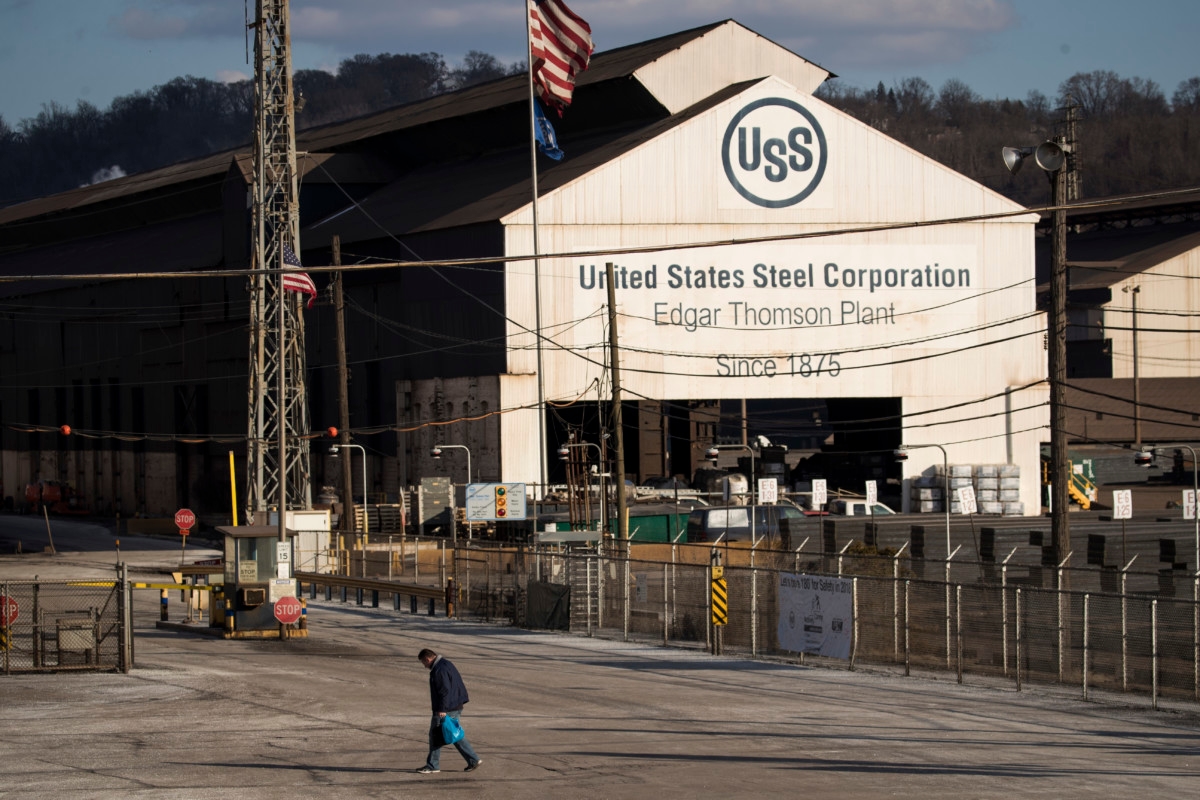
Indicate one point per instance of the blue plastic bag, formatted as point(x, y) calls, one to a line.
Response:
point(451, 730)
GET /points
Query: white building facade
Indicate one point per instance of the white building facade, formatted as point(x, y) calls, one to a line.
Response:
point(776, 303)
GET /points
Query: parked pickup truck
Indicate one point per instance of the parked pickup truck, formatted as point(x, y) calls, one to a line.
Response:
point(857, 508)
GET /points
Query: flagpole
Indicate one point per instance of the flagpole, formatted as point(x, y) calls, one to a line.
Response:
point(537, 279)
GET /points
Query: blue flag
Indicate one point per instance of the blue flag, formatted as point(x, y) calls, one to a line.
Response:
point(547, 140)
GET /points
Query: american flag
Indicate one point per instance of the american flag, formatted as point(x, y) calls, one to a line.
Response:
point(297, 281)
point(561, 45)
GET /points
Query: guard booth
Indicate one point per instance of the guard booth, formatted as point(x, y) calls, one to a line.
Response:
point(258, 572)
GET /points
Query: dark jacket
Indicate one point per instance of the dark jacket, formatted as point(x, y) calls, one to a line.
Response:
point(447, 692)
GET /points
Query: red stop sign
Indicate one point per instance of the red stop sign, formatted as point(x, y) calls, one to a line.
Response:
point(8, 610)
point(287, 610)
point(185, 519)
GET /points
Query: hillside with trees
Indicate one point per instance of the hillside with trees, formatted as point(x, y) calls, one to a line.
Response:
point(1132, 138)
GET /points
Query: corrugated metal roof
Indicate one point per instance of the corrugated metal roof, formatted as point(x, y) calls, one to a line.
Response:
point(1101, 409)
point(513, 90)
point(1105, 256)
point(489, 187)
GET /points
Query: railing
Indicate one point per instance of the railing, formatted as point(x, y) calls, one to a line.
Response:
point(375, 588)
point(998, 628)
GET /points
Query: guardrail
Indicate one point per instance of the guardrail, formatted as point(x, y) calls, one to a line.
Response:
point(376, 587)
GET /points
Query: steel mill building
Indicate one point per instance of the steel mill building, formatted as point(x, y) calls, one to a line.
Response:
point(765, 247)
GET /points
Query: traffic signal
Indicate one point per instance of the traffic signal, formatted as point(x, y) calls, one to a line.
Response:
point(501, 501)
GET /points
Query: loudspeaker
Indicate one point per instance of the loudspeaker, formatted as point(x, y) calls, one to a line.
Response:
point(1050, 156)
point(1014, 157)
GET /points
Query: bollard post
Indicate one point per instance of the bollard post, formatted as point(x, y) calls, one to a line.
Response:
point(374, 598)
point(328, 592)
point(1154, 654)
point(163, 605)
point(358, 596)
point(1086, 598)
point(303, 614)
point(229, 615)
point(395, 601)
point(1017, 633)
point(431, 608)
point(450, 597)
point(666, 608)
point(907, 631)
point(958, 645)
point(412, 604)
point(344, 592)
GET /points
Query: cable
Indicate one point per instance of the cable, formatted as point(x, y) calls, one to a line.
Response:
point(574, 255)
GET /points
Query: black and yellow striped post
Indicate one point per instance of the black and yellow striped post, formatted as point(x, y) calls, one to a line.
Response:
point(720, 597)
point(718, 600)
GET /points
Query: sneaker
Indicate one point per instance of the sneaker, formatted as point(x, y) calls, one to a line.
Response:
point(428, 771)
point(473, 767)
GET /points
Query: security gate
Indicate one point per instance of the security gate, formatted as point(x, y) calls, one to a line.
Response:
point(60, 626)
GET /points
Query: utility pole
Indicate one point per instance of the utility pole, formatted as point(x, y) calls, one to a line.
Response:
point(346, 523)
point(1074, 181)
point(619, 472)
point(1060, 465)
point(1132, 291)
point(276, 399)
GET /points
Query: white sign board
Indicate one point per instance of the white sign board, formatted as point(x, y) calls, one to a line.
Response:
point(768, 490)
point(1189, 504)
point(495, 501)
point(283, 560)
point(280, 588)
point(816, 614)
point(872, 493)
point(966, 500)
point(820, 494)
point(1122, 504)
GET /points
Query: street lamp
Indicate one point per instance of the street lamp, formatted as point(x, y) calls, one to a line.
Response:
point(333, 451)
point(714, 452)
point(565, 451)
point(1051, 157)
point(901, 454)
point(436, 452)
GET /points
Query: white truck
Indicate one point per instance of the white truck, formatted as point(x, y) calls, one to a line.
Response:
point(857, 508)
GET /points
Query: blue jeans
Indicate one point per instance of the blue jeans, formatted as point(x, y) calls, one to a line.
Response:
point(464, 747)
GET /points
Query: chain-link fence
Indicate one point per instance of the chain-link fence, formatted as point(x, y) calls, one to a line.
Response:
point(997, 626)
point(58, 626)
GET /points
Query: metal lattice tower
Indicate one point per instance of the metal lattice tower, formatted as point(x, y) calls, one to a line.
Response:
point(278, 405)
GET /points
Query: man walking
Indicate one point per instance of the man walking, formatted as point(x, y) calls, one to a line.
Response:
point(447, 695)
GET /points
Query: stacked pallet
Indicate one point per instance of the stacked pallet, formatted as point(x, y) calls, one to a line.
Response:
point(997, 489)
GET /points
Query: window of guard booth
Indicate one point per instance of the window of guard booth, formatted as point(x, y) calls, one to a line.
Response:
point(249, 559)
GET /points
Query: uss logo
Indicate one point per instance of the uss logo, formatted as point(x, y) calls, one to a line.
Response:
point(774, 152)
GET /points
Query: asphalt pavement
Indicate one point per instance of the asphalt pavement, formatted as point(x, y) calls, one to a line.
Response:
point(343, 713)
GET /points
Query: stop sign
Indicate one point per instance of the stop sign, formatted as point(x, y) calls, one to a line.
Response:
point(8, 610)
point(185, 520)
point(287, 610)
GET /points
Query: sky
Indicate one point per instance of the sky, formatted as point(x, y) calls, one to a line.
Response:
point(65, 51)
